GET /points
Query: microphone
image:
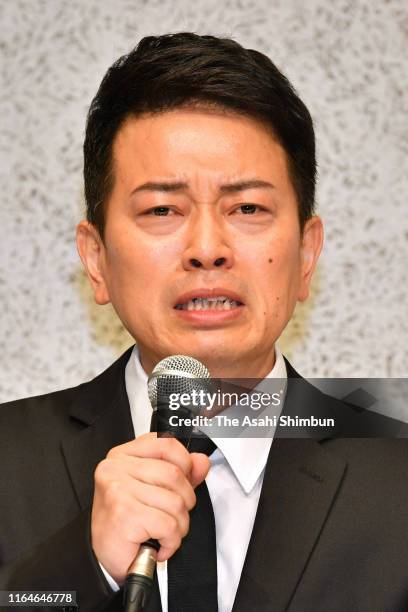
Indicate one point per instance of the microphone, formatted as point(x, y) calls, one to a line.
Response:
point(175, 374)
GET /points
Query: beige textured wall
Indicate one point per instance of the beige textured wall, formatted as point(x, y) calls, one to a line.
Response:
point(348, 61)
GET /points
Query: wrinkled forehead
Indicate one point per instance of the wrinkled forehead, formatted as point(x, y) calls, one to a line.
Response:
point(200, 149)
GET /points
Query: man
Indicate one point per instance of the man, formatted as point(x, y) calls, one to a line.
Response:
point(199, 182)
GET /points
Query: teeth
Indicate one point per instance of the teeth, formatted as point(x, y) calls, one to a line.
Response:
point(212, 303)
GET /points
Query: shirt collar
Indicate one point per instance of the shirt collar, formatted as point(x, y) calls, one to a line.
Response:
point(234, 450)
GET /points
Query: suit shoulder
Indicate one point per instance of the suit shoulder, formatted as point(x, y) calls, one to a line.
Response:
point(59, 402)
point(35, 416)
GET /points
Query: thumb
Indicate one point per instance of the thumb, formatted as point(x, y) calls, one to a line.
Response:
point(199, 469)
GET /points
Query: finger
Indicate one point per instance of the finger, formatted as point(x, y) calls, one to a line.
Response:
point(152, 447)
point(199, 468)
point(156, 524)
point(152, 472)
point(160, 499)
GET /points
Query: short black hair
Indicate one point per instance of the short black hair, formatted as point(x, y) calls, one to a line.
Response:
point(175, 70)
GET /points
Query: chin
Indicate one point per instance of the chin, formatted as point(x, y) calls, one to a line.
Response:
point(215, 357)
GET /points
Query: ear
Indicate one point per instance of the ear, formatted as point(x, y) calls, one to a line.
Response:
point(91, 250)
point(311, 245)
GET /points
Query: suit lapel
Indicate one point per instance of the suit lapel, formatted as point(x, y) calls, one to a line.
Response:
point(299, 486)
point(300, 483)
point(101, 415)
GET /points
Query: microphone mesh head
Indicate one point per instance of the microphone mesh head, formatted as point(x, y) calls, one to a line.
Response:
point(176, 374)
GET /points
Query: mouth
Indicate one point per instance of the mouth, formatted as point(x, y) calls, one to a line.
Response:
point(220, 302)
point(210, 300)
point(209, 308)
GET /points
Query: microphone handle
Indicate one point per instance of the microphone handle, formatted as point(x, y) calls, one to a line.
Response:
point(139, 580)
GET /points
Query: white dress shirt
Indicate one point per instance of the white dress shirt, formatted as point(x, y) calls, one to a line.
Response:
point(234, 483)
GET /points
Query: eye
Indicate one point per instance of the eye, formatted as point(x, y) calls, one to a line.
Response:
point(249, 209)
point(160, 211)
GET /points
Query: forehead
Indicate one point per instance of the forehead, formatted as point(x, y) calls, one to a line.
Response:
point(192, 144)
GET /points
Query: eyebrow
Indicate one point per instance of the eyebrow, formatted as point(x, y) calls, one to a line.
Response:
point(168, 186)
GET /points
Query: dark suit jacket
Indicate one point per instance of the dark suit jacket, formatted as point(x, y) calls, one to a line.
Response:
point(331, 531)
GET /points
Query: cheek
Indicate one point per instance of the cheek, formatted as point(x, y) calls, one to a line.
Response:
point(126, 276)
point(139, 272)
point(277, 260)
point(138, 260)
point(276, 272)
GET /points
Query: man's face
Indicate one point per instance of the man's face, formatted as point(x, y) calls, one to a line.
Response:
point(202, 208)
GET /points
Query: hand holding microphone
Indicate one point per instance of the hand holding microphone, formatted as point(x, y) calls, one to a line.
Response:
point(143, 489)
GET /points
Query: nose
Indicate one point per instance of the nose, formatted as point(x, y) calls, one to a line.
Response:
point(207, 244)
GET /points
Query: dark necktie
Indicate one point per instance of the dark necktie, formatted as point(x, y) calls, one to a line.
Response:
point(192, 570)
